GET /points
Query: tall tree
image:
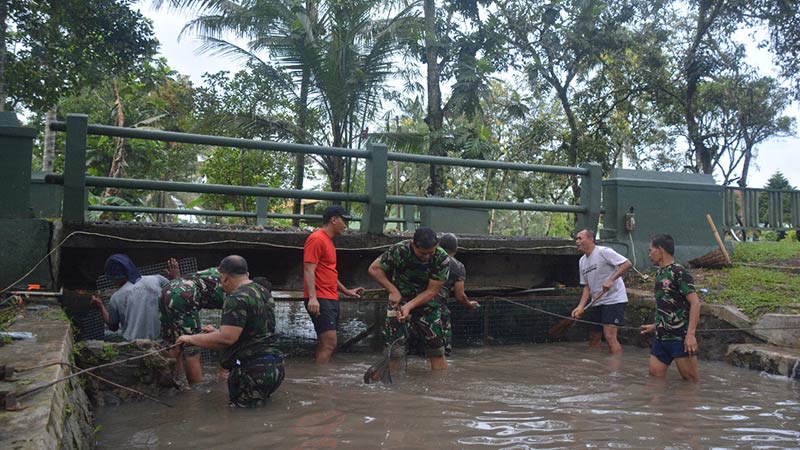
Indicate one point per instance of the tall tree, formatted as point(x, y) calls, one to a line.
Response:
point(561, 46)
point(59, 46)
point(343, 49)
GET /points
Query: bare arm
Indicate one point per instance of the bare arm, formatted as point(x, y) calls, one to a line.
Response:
point(461, 295)
point(310, 276)
point(216, 340)
point(585, 296)
point(97, 303)
point(621, 271)
point(690, 342)
point(377, 273)
point(421, 299)
point(349, 292)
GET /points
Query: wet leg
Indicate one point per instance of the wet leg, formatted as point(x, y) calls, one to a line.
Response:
point(687, 367)
point(657, 368)
point(194, 369)
point(595, 339)
point(610, 333)
point(326, 345)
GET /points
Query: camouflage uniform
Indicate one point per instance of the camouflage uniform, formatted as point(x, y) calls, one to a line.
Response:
point(181, 302)
point(411, 277)
point(457, 273)
point(673, 284)
point(256, 368)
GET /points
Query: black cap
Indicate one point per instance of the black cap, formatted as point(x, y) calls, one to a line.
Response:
point(334, 211)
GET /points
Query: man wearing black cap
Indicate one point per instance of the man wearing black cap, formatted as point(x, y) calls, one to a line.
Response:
point(321, 285)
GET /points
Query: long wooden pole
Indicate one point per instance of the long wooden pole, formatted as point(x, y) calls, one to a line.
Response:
point(719, 239)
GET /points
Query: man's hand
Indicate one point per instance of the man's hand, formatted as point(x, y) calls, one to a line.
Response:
point(184, 340)
point(173, 269)
point(357, 292)
point(404, 313)
point(209, 329)
point(647, 329)
point(313, 307)
point(471, 304)
point(394, 298)
point(690, 344)
point(577, 312)
point(607, 285)
point(96, 302)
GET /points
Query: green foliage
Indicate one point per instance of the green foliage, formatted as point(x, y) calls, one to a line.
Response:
point(791, 236)
point(60, 46)
point(768, 236)
point(764, 252)
point(109, 352)
point(754, 291)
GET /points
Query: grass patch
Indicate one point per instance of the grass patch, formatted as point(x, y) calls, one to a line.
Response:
point(764, 252)
point(755, 291)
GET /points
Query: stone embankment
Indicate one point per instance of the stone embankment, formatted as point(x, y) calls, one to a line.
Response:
point(57, 417)
point(771, 345)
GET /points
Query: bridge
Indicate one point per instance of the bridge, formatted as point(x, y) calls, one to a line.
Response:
point(48, 231)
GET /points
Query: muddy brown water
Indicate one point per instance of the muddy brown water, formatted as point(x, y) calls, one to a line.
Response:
point(503, 397)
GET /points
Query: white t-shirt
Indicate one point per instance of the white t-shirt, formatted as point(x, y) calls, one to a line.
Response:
point(597, 268)
point(135, 308)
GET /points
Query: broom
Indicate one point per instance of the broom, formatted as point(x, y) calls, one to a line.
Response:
point(560, 328)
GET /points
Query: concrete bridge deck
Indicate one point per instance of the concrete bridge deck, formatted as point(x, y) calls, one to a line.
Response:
point(491, 261)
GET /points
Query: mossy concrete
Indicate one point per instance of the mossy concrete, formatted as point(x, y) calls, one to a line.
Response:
point(57, 417)
point(731, 336)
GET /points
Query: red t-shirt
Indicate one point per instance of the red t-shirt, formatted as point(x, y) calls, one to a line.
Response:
point(319, 250)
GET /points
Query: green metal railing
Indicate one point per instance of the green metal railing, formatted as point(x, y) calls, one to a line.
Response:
point(376, 156)
point(742, 209)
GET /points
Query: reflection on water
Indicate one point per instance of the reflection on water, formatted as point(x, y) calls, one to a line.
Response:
point(506, 397)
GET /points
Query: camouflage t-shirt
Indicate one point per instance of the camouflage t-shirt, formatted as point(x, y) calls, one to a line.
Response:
point(410, 274)
point(251, 308)
point(457, 273)
point(208, 283)
point(673, 284)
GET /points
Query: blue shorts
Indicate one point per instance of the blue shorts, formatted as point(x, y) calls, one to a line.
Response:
point(328, 317)
point(666, 351)
point(607, 315)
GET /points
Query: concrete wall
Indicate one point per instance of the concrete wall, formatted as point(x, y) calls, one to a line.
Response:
point(57, 417)
point(668, 203)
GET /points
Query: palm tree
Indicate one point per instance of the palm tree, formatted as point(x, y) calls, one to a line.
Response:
point(341, 53)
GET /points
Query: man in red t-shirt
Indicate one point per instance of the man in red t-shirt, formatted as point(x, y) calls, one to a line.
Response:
point(321, 284)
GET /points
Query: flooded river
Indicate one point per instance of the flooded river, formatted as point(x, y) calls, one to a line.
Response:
point(502, 397)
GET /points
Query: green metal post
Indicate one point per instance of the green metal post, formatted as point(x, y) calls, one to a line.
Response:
point(590, 197)
point(75, 196)
point(262, 209)
point(16, 147)
point(374, 210)
point(795, 210)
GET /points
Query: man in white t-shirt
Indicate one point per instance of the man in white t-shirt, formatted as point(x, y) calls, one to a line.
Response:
point(601, 271)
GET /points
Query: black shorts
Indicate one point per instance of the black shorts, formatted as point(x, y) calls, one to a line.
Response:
point(607, 315)
point(328, 317)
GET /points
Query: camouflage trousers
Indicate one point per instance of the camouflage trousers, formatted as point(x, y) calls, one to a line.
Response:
point(425, 324)
point(250, 383)
point(179, 309)
point(447, 325)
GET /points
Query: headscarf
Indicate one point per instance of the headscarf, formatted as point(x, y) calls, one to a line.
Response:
point(119, 266)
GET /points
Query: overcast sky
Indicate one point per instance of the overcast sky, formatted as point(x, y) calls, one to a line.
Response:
point(774, 155)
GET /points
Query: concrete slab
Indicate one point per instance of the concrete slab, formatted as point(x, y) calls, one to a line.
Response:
point(780, 329)
point(768, 358)
point(57, 416)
